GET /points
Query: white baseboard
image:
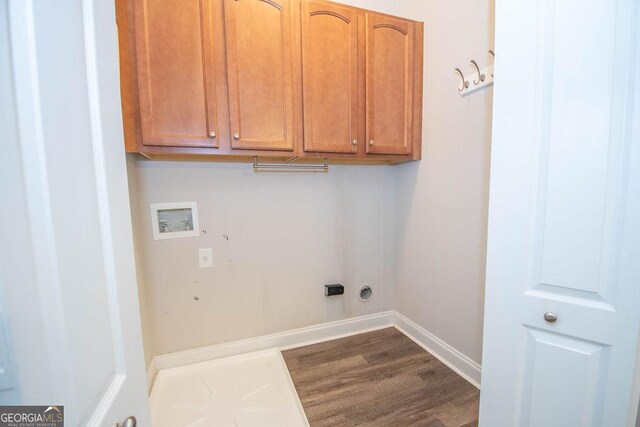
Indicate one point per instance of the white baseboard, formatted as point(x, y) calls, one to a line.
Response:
point(458, 362)
point(451, 357)
point(282, 340)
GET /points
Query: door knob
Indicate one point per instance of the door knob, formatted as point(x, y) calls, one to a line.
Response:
point(372, 142)
point(550, 317)
point(212, 134)
point(354, 142)
point(129, 422)
point(236, 136)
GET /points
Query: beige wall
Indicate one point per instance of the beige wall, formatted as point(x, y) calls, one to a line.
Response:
point(143, 290)
point(288, 236)
point(442, 200)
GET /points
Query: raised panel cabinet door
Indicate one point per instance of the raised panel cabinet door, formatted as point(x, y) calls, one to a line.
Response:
point(330, 77)
point(259, 69)
point(389, 76)
point(176, 78)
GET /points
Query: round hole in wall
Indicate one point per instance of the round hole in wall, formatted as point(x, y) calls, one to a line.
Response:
point(365, 293)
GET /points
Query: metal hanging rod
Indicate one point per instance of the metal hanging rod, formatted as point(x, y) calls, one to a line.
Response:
point(289, 167)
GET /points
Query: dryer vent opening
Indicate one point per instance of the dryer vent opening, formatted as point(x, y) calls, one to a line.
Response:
point(365, 293)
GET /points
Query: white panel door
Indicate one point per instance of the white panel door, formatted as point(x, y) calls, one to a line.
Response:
point(564, 216)
point(68, 297)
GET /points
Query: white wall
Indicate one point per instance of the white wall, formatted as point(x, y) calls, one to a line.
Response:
point(288, 236)
point(443, 199)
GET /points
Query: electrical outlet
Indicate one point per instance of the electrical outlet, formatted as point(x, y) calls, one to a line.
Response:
point(205, 258)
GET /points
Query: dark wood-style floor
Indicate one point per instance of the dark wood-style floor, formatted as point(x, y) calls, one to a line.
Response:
point(379, 378)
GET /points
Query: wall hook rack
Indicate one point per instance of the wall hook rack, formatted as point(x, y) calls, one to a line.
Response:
point(290, 167)
point(480, 78)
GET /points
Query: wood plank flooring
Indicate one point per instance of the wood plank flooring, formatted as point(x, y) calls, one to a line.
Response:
point(379, 378)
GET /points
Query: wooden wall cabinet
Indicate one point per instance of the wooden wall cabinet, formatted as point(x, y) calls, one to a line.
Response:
point(330, 36)
point(390, 82)
point(177, 82)
point(279, 79)
point(259, 68)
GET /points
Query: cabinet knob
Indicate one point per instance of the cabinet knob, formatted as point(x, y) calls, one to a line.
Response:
point(550, 317)
point(212, 134)
point(354, 142)
point(372, 142)
point(236, 136)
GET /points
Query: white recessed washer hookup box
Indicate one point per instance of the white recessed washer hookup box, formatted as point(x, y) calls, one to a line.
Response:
point(174, 220)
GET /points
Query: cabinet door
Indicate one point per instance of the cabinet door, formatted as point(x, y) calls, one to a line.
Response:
point(259, 68)
point(389, 75)
point(176, 79)
point(330, 77)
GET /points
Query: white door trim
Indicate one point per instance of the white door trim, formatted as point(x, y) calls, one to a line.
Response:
point(102, 193)
point(32, 150)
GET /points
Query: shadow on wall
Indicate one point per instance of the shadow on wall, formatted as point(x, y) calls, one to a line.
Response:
point(276, 240)
point(443, 200)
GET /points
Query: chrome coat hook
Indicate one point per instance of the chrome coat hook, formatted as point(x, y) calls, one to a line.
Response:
point(481, 76)
point(494, 58)
point(465, 83)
